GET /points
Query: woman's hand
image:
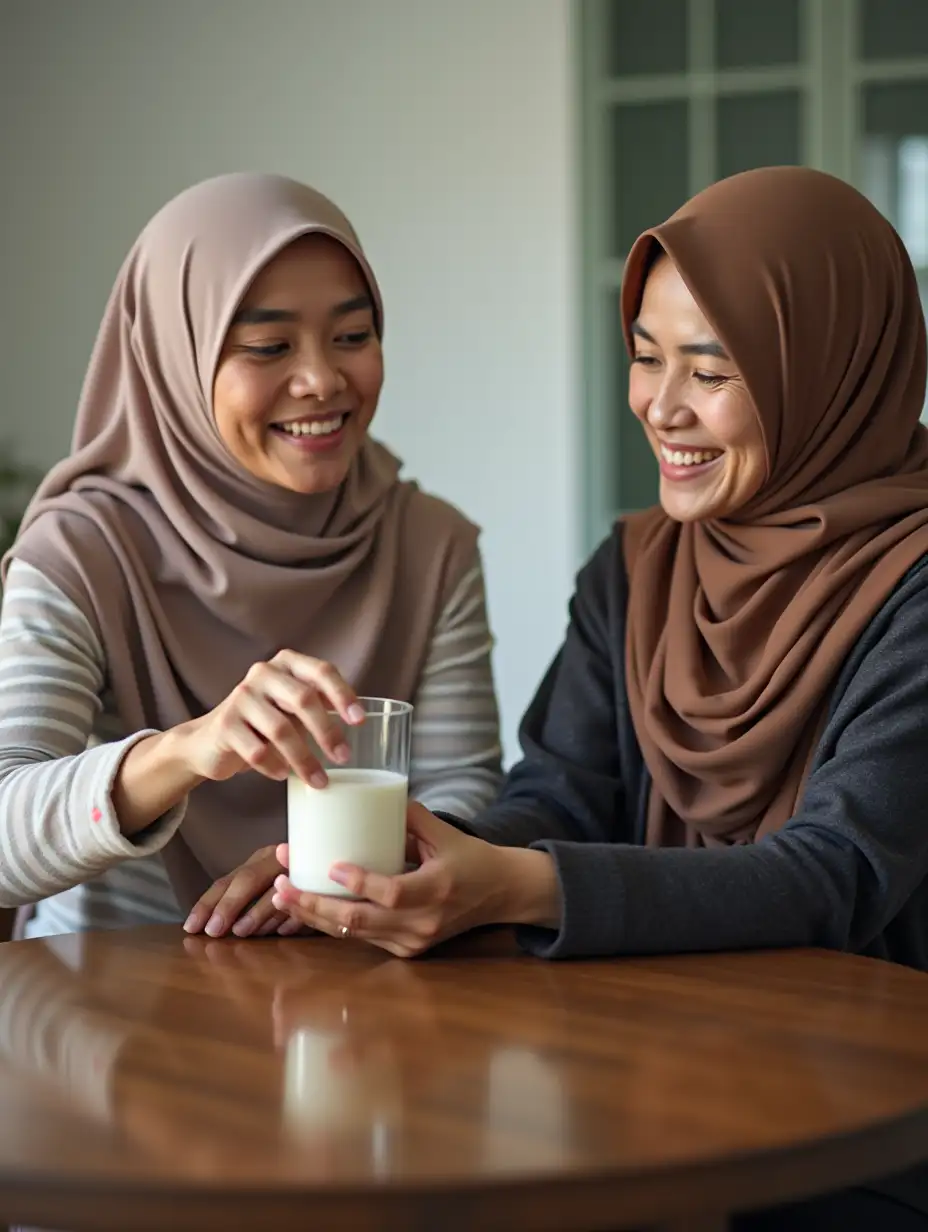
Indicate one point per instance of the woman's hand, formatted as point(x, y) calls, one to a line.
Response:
point(461, 883)
point(264, 723)
point(241, 902)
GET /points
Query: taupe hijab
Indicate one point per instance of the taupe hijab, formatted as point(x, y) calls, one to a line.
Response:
point(191, 569)
point(738, 627)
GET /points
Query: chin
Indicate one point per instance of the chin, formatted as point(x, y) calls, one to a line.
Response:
point(326, 479)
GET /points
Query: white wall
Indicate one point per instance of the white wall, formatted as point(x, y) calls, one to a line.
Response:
point(442, 128)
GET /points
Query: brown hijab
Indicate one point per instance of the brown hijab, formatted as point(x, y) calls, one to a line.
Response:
point(190, 568)
point(737, 627)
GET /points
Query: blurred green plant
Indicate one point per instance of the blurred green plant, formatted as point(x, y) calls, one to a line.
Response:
point(17, 483)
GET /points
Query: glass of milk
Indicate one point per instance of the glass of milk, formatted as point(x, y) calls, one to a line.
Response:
point(360, 817)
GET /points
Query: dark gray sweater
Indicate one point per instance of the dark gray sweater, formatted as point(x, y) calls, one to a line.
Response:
point(848, 872)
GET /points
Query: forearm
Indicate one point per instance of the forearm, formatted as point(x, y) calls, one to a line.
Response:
point(619, 899)
point(58, 821)
point(153, 778)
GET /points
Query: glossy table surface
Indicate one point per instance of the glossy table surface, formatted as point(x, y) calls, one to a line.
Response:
point(150, 1080)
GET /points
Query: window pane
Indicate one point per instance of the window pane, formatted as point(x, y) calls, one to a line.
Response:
point(633, 466)
point(749, 34)
point(646, 37)
point(650, 167)
point(758, 130)
point(893, 162)
point(893, 29)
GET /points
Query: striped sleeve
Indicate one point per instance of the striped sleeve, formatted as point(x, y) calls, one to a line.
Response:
point(456, 755)
point(58, 827)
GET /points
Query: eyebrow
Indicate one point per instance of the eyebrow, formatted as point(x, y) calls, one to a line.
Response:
point(266, 316)
point(713, 349)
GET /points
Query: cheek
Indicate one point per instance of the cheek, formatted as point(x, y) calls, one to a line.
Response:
point(367, 374)
point(240, 397)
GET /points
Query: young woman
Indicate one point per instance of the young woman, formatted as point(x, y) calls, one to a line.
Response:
point(225, 556)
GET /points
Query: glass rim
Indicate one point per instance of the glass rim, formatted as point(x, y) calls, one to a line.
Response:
point(381, 708)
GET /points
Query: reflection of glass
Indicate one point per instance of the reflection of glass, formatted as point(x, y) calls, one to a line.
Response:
point(632, 47)
point(651, 170)
point(347, 1053)
point(758, 130)
point(749, 35)
point(893, 29)
point(333, 1083)
point(526, 1104)
point(893, 165)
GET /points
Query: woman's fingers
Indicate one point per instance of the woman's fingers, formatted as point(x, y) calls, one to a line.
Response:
point(260, 919)
point(285, 746)
point(338, 694)
point(402, 933)
point(239, 902)
point(202, 909)
point(304, 702)
point(422, 887)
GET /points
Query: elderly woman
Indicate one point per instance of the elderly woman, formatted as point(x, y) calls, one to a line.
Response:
point(730, 748)
point(225, 557)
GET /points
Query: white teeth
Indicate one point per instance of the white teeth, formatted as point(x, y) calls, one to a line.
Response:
point(677, 457)
point(315, 427)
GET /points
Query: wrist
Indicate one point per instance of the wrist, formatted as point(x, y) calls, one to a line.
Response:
point(531, 892)
point(177, 753)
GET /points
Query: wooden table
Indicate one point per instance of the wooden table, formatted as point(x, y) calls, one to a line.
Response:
point(148, 1081)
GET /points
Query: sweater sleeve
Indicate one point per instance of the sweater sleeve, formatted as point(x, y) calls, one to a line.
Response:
point(835, 876)
point(58, 827)
point(569, 784)
point(455, 759)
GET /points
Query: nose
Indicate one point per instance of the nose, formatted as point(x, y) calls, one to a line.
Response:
point(667, 409)
point(317, 376)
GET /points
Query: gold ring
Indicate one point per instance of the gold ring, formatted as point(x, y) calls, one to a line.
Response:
point(345, 930)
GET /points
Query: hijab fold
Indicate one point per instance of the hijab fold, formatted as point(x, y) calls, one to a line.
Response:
point(738, 626)
point(191, 569)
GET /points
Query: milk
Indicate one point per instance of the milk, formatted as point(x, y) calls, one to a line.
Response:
point(360, 818)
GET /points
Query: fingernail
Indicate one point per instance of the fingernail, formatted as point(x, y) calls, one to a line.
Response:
point(214, 927)
point(355, 713)
point(243, 927)
point(318, 779)
point(339, 874)
point(192, 922)
point(281, 885)
point(289, 927)
point(341, 753)
point(278, 902)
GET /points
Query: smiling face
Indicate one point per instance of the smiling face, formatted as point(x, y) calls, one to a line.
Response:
point(693, 404)
point(301, 368)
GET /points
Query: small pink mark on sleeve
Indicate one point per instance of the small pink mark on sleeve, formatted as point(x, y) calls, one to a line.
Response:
point(96, 815)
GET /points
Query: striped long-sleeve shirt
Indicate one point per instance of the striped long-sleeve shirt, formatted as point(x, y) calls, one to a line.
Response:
point(61, 745)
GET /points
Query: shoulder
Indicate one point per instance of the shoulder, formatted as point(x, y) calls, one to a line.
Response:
point(36, 610)
point(432, 515)
point(69, 547)
point(436, 534)
point(602, 582)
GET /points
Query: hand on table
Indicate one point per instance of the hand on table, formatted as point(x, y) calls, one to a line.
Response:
point(241, 902)
point(461, 883)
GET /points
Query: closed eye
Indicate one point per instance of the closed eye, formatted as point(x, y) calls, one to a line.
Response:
point(646, 361)
point(355, 338)
point(711, 380)
point(268, 352)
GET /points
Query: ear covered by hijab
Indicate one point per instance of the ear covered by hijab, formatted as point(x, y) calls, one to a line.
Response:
point(190, 568)
point(737, 627)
